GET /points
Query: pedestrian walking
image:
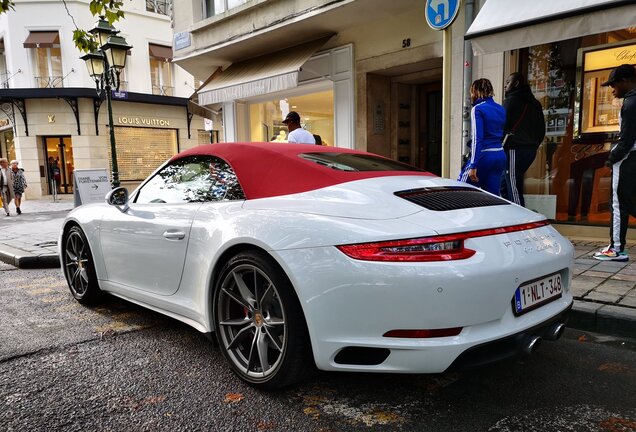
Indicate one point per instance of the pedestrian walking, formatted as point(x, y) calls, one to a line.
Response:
point(488, 160)
point(296, 133)
point(19, 185)
point(525, 130)
point(54, 175)
point(6, 184)
point(622, 161)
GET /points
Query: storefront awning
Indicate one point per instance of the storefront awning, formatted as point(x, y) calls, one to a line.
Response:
point(42, 39)
point(202, 111)
point(260, 75)
point(501, 26)
point(160, 51)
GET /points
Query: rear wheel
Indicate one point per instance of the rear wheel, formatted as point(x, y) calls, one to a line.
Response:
point(259, 323)
point(79, 269)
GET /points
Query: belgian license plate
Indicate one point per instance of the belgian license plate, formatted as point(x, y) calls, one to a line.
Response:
point(536, 293)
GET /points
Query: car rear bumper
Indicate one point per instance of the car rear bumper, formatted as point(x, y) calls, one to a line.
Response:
point(506, 347)
point(350, 305)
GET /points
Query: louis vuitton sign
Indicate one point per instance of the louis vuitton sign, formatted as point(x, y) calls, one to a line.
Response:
point(142, 121)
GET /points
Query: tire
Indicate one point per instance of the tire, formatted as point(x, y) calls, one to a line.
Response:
point(259, 323)
point(79, 268)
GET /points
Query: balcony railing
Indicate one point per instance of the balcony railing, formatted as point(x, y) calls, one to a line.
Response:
point(4, 79)
point(163, 90)
point(158, 6)
point(49, 81)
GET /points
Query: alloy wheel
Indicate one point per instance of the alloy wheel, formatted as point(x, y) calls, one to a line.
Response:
point(76, 261)
point(251, 319)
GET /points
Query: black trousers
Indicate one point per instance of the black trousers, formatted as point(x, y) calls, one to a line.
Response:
point(519, 160)
point(622, 199)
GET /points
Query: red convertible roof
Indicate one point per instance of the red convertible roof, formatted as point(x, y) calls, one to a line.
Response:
point(275, 169)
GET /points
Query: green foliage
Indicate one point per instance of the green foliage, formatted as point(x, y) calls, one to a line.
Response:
point(6, 6)
point(84, 41)
point(110, 9)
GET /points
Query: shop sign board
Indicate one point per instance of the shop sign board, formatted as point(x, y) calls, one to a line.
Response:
point(441, 13)
point(91, 185)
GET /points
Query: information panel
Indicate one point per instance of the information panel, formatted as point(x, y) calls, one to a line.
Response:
point(91, 185)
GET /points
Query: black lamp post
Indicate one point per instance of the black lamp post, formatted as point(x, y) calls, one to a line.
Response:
point(104, 66)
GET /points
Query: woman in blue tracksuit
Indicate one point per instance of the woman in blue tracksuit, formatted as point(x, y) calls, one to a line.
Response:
point(488, 159)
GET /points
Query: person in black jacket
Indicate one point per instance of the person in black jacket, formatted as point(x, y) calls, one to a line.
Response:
point(525, 126)
point(622, 160)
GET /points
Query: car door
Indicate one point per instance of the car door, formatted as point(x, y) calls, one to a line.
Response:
point(145, 246)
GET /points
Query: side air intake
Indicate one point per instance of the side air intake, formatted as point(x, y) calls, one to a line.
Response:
point(450, 198)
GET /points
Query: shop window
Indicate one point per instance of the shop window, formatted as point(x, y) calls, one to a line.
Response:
point(599, 109)
point(567, 181)
point(141, 150)
point(161, 70)
point(316, 115)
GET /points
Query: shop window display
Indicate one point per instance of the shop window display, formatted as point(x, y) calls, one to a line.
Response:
point(567, 181)
point(315, 109)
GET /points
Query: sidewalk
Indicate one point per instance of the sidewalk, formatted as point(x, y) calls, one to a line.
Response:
point(604, 292)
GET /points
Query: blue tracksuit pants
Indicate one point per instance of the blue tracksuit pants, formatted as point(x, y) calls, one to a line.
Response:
point(490, 167)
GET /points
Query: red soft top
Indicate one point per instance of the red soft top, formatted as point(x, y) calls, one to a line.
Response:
point(275, 169)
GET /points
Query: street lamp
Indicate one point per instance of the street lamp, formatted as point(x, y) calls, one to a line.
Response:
point(104, 66)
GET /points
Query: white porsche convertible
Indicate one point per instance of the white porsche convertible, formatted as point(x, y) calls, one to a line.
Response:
point(297, 256)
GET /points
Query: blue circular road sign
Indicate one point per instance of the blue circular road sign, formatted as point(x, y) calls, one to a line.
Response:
point(441, 13)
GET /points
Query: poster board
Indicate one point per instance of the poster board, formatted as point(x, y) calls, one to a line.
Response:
point(91, 185)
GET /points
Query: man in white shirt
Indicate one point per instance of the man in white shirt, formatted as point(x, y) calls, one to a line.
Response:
point(6, 184)
point(296, 133)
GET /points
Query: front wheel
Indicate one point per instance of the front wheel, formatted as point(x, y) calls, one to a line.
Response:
point(259, 323)
point(79, 270)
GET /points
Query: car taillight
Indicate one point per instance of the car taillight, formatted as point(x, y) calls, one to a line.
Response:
point(442, 248)
point(436, 248)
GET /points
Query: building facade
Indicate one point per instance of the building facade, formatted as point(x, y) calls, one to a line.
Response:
point(368, 74)
point(51, 114)
point(364, 74)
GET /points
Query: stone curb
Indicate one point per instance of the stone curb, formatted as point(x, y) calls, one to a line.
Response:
point(23, 260)
point(601, 318)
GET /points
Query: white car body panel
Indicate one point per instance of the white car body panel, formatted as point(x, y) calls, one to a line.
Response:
point(346, 302)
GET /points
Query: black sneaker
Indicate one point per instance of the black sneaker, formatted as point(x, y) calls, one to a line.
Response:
point(17, 209)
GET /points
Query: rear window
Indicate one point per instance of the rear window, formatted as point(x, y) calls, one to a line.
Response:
point(356, 162)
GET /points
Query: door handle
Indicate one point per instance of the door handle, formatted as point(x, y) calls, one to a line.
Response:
point(174, 235)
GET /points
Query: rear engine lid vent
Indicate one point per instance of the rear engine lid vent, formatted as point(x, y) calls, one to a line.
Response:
point(450, 198)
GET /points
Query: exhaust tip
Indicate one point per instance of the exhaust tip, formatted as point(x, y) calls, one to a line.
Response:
point(532, 344)
point(555, 331)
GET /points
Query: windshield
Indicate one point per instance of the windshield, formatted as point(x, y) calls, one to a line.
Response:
point(356, 162)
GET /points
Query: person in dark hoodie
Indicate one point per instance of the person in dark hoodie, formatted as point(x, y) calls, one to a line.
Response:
point(622, 161)
point(525, 127)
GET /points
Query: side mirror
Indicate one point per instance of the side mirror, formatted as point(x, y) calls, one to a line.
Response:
point(118, 197)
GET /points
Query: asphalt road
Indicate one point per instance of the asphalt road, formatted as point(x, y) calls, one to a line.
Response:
point(119, 367)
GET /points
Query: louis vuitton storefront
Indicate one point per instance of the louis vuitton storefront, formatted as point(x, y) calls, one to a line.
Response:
point(53, 132)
